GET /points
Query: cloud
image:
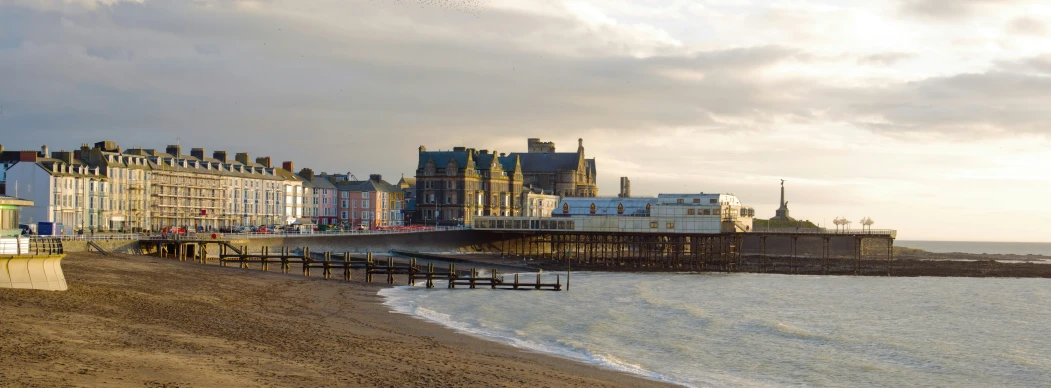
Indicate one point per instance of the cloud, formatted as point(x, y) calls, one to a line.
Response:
point(883, 59)
point(949, 9)
point(1027, 26)
point(993, 103)
point(727, 98)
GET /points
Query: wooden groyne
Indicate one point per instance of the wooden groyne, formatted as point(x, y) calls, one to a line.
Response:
point(331, 265)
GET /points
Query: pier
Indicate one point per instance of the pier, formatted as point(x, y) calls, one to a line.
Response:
point(796, 251)
point(342, 265)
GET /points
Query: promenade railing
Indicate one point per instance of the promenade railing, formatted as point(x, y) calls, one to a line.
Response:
point(251, 235)
point(880, 232)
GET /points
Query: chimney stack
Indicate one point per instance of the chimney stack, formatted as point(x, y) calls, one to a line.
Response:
point(65, 157)
point(107, 146)
point(197, 153)
point(264, 160)
point(375, 177)
point(307, 174)
point(43, 151)
point(242, 157)
point(287, 165)
point(174, 150)
point(221, 156)
point(625, 187)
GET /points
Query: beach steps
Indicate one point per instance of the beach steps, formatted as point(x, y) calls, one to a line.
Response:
point(93, 244)
point(344, 264)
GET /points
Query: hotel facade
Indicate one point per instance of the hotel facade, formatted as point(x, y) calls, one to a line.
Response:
point(103, 188)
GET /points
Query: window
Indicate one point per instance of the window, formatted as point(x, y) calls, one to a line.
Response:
point(680, 201)
point(707, 211)
point(365, 194)
point(345, 203)
point(343, 215)
point(713, 200)
point(365, 215)
point(365, 204)
point(696, 200)
point(690, 212)
point(344, 194)
point(671, 225)
point(653, 225)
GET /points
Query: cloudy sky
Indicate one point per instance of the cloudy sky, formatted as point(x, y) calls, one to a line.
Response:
point(929, 116)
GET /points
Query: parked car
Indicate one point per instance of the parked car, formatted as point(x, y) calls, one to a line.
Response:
point(262, 230)
point(173, 230)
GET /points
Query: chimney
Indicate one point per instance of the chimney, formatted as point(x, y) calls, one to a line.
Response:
point(423, 149)
point(78, 155)
point(459, 149)
point(264, 160)
point(65, 157)
point(107, 146)
point(503, 154)
point(483, 152)
point(220, 155)
point(625, 187)
point(242, 157)
point(1, 148)
point(306, 173)
point(375, 177)
point(174, 150)
point(197, 153)
point(43, 151)
point(287, 165)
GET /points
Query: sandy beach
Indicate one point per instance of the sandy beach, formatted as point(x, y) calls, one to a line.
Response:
point(144, 321)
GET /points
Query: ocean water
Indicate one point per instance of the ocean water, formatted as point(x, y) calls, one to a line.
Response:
point(1018, 248)
point(762, 330)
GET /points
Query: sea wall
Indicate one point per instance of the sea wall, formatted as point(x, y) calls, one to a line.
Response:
point(112, 246)
point(32, 272)
point(457, 241)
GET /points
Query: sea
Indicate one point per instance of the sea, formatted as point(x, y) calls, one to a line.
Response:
point(978, 247)
point(767, 330)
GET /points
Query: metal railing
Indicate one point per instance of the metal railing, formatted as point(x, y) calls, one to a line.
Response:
point(882, 232)
point(31, 246)
point(250, 235)
point(96, 237)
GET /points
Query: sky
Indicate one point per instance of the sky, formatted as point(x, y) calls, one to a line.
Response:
point(929, 116)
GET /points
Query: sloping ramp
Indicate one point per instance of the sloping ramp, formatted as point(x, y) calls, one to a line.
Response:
point(233, 248)
point(97, 248)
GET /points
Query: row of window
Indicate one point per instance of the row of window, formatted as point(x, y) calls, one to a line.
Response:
point(526, 224)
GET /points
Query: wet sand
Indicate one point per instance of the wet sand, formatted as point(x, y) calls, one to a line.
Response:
point(143, 321)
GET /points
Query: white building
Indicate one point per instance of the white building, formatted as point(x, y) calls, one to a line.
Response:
point(668, 213)
point(104, 189)
point(535, 203)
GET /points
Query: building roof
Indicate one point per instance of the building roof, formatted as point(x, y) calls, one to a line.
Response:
point(409, 183)
point(369, 185)
point(12, 201)
point(485, 161)
point(441, 158)
point(322, 183)
point(604, 206)
point(548, 162)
